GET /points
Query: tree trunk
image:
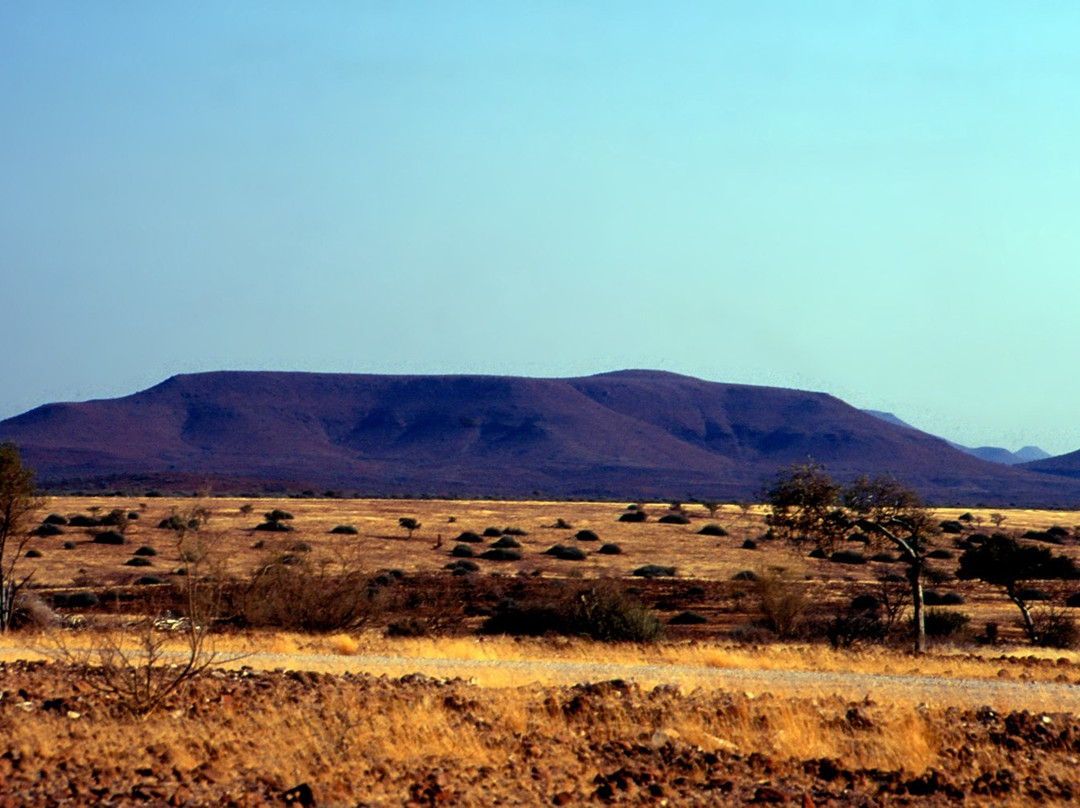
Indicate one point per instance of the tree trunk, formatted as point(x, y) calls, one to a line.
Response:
point(1029, 626)
point(919, 616)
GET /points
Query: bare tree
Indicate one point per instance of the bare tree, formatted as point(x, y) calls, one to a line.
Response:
point(18, 501)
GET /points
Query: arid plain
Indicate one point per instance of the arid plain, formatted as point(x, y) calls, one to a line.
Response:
point(717, 711)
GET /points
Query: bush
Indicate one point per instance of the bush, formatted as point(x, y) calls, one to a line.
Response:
point(654, 571)
point(1055, 629)
point(847, 557)
point(586, 535)
point(941, 554)
point(47, 529)
point(687, 619)
point(274, 527)
point(177, 522)
point(1032, 594)
point(951, 526)
point(749, 544)
point(463, 565)
point(146, 550)
point(149, 580)
point(138, 561)
point(564, 553)
point(782, 603)
point(469, 537)
point(851, 630)
point(1073, 601)
point(712, 530)
point(1058, 532)
point(610, 549)
point(300, 547)
point(109, 537)
point(817, 552)
point(501, 554)
point(931, 597)
point(492, 532)
point(506, 543)
point(600, 610)
point(68, 545)
point(347, 530)
point(1044, 536)
point(277, 515)
point(54, 519)
point(75, 600)
point(945, 624)
point(81, 520)
point(632, 516)
point(33, 552)
point(864, 603)
point(562, 524)
point(673, 519)
point(513, 531)
point(462, 551)
point(885, 558)
point(745, 575)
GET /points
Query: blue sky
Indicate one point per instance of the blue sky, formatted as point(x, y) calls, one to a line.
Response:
point(876, 200)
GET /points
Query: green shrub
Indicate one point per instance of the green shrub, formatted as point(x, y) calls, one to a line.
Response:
point(462, 551)
point(109, 537)
point(348, 530)
point(506, 543)
point(501, 554)
point(673, 519)
point(586, 535)
point(712, 530)
point(633, 516)
point(610, 549)
point(47, 529)
point(146, 550)
point(945, 623)
point(469, 537)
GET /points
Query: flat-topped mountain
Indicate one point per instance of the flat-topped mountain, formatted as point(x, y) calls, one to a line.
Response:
point(627, 435)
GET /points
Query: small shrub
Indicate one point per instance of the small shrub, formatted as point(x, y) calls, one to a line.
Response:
point(513, 531)
point(347, 530)
point(1073, 600)
point(1032, 594)
point(1058, 532)
point(782, 603)
point(68, 545)
point(274, 527)
point(951, 526)
point(462, 551)
point(82, 520)
point(138, 561)
point(610, 549)
point(562, 524)
point(564, 553)
point(965, 517)
point(177, 522)
point(885, 558)
point(852, 630)
point(33, 552)
point(75, 600)
point(673, 519)
point(149, 580)
point(300, 547)
point(1055, 629)
point(654, 571)
point(817, 552)
point(632, 516)
point(586, 535)
point(939, 553)
point(687, 619)
point(47, 529)
point(506, 543)
point(492, 532)
point(945, 624)
point(1043, 536)
point(931, 597)
point(469, 537)
point(847, 557)
point(54, 519)
point(712, 530)
point(749, 544)
point(109, 537)
point(501, 554)
point(146, 550)
point(463, 565)
point(864, 603)
point(277, 515)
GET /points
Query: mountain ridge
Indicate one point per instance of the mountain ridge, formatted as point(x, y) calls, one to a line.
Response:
point(629, 434)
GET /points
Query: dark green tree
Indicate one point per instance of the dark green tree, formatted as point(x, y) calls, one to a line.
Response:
point(409, 523)
point(1002, 561)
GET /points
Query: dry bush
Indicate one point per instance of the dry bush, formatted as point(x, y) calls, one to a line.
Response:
point(781, 601)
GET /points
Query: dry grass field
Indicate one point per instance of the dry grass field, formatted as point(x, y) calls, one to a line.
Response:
point(506, 720)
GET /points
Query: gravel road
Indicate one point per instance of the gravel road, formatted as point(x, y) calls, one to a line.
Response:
point(1001, 694)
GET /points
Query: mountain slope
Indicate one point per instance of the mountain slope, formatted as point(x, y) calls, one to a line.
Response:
point(628, 434)
point(993, 454)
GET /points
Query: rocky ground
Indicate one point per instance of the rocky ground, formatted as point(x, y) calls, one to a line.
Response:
point(249, 738)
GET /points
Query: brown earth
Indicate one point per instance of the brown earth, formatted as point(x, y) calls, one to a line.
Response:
point(249, 738)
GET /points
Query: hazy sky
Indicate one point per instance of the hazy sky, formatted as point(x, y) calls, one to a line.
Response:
point(876, 200)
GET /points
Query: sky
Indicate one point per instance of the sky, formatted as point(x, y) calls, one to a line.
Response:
point(874, 200)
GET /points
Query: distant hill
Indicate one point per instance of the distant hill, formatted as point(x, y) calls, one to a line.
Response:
point(992, 454)
point(626, 435)
point(1066, 465)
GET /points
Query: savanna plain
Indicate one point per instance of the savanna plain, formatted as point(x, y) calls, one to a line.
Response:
point(328, 651)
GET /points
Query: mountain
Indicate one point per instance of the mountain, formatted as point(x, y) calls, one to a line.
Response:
point(627, 435)
point(992, 454)
point(1066, 465)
